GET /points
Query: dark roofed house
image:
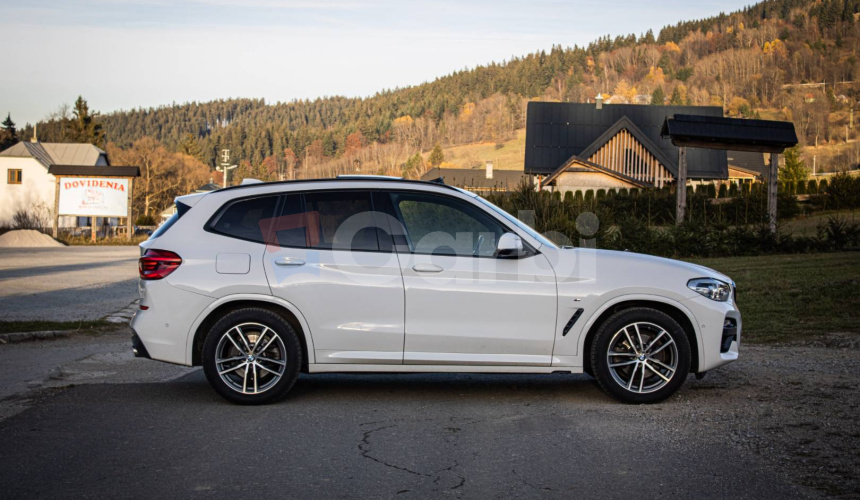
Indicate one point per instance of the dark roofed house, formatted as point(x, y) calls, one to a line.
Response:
point(746, 165)
point(478, 180)
point(576, 146)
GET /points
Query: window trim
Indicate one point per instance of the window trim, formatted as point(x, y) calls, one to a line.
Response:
point(390, 210)
point(20, 176)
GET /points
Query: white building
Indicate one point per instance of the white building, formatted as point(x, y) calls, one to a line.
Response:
point(26, 183)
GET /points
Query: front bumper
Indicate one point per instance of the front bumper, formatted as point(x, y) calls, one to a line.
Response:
point(719, 325)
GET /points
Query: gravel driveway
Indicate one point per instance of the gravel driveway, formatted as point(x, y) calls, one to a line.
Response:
point(66, 283)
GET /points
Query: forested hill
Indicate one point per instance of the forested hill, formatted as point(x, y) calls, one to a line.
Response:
point(745, 61)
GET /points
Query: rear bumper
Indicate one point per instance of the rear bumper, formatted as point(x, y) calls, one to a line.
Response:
point(163, 328)
point(137, 346)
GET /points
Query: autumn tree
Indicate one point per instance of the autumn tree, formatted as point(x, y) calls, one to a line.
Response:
point(163, 175)
point(354, 142)
point(436, 156)
point(290, 161)
point(84, 126)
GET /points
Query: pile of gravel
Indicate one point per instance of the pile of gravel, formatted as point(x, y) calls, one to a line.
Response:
point(27, 238)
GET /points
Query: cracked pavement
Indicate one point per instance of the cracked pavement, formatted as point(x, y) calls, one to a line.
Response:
point(108, 425)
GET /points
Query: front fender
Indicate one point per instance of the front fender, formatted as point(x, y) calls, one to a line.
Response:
point(570, 349)
point(189, 345)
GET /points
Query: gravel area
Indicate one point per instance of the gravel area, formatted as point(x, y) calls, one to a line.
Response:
point(793, 406)
point(66, 283)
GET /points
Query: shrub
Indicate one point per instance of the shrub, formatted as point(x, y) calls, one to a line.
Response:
point(800, 188)
point(556, 195)
point(843, 191)
point(712, 191)
point(812, 186)
point(568, 198)
point(723, 191)
point(733, 189)
point(589, 196)
point(601, 193)
point(838, 234)
point(145, 220)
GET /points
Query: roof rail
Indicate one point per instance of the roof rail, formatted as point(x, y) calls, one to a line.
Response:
point(369, 176)
point(378, 178)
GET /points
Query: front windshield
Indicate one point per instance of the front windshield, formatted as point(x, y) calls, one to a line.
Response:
point(520, 224)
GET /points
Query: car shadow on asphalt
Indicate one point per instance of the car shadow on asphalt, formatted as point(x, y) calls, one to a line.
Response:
point(349, 388)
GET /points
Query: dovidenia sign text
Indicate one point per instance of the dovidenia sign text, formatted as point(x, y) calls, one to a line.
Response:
point(93, 196)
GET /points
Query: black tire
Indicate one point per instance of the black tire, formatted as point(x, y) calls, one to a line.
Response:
point(656, 329)
point(286, 350)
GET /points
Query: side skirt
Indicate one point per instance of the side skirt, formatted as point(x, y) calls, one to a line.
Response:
point(360, 368)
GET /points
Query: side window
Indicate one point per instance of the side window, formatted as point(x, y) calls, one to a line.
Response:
point(340, 220)
point(446, 226)
point(244, 218)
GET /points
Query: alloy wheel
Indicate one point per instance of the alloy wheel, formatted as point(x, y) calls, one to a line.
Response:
point(250, 358)
point(642, 357)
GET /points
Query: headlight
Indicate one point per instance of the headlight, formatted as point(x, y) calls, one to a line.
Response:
point(711, 288)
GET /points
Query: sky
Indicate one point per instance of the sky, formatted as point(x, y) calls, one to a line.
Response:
point(123, 54)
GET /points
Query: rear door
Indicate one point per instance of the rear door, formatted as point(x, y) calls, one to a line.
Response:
point(330, 259)
point(464, 306)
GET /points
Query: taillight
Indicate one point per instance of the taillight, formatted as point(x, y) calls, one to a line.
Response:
point(157, 264)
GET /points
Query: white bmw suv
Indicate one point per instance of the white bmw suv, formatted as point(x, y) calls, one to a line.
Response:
point(260, 282)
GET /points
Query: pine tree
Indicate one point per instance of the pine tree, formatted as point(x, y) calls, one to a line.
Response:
point(190, 146)
point(436, 156)
point(658, 98)
point(794, 169)
point(676, 99)
point(8, 133)
point(9, 125)
point(84, 127)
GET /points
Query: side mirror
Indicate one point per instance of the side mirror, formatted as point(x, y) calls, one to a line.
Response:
point(510, 246)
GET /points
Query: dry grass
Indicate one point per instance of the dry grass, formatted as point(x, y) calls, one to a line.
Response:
point(509, 157)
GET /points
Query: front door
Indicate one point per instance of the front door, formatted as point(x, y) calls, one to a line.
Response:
point(327, 257)
point(464, 306)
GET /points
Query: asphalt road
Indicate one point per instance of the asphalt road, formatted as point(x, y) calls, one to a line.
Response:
point(66, 283)
point(161, 432)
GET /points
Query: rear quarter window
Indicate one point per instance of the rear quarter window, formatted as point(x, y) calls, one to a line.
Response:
point(241, 218)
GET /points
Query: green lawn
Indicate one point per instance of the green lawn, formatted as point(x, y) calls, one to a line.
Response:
point(792, 297)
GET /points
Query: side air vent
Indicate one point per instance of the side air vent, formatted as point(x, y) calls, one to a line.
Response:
point(571, 321)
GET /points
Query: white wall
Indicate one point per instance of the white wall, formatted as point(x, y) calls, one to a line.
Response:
point(37, 187)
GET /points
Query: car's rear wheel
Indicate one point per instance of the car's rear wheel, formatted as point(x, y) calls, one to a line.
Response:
point(252, 356)
point(640, 355)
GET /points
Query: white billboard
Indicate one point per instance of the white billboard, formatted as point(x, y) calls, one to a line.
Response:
point(94, 196)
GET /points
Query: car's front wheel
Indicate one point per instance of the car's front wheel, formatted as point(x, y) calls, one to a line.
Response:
point(640, 355)
point(252, 356)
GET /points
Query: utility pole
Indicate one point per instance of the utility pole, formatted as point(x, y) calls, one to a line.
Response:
point(772, 183)
point(225, 165)
point(681, 186)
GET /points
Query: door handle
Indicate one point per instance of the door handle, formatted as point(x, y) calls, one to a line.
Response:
point(289, 261)
point(427, 268)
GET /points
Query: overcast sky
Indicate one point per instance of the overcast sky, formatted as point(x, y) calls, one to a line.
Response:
point(122, 54)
